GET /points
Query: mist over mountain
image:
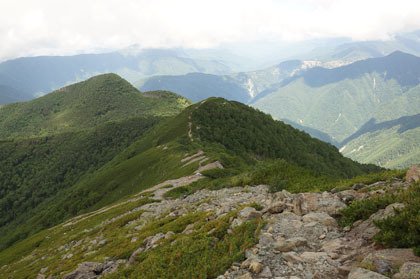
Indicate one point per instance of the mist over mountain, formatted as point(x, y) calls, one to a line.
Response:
point(35, 76)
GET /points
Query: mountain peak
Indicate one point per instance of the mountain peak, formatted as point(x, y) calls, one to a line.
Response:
point(86, 104)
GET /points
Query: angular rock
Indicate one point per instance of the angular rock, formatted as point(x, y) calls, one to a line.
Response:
point(413, 174)
point(313, 257)
point(277, 207)
point(132, 258)
point(386, 261)
point(265, 273)
point(255, 267)
point(151, 241)
point(336, 245)
point(86, 270)
point(245, 276)
point(408, 270)
point(248, 214)
point(292, 257)
point(316, 202)
point(358, 186)
point(320, 217)
point(361, 273)
point(289, 245)
point(366, 229)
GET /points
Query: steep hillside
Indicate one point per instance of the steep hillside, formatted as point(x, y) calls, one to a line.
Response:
point(242, 129)
point(84, 105)
point(339, 101)
point(230, 134)
point(390, 144)
point(51, 143)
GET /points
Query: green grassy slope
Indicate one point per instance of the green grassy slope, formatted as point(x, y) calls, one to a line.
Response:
point(84, 105)
point(51, 143)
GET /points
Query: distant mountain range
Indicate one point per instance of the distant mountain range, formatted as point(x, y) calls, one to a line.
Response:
point(25, 78)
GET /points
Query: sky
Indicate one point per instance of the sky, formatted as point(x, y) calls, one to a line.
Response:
point(62, 27)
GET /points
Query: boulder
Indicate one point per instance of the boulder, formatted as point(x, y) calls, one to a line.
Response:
point(320, 217)
point(255, 267)
point(289, 245)
point(277, 207)
point(336, 246)
point(366, 229)
point(151, 241)
point(86, 270)
point(246, 275)
point(248, 214)
point(265, 273)
point(408, 270)
point(413, 174)
point(292, 257)
point(318, 202)
point(313, 257)
point(387, 261)
point(358, 186)
point(361, 273)
point(132, 258)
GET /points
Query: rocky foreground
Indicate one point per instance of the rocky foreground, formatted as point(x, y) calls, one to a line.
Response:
point(301, 238)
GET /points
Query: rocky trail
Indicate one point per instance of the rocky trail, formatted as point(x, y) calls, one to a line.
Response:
point(301, 238)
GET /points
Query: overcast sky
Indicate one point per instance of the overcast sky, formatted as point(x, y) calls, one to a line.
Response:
point(51, 27)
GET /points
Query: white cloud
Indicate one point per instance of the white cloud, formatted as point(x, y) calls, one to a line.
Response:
point(30, 27)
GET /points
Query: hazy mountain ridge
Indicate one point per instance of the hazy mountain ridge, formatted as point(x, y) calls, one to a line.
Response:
point(34, 76)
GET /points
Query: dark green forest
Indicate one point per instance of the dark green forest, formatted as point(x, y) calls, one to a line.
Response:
point(244, 130)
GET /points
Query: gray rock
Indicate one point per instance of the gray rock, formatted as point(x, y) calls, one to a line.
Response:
point(292, 257)
point(385, 261)
point(265, 273)
point(255, 267)
point(358, 186)
point(320, 217)
point(277, 207)
point(413, 174)
point(86, 270)
point(132, 258)
point(361, 273)
point(408, 270)
point(248, 214)
point(289, 245)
